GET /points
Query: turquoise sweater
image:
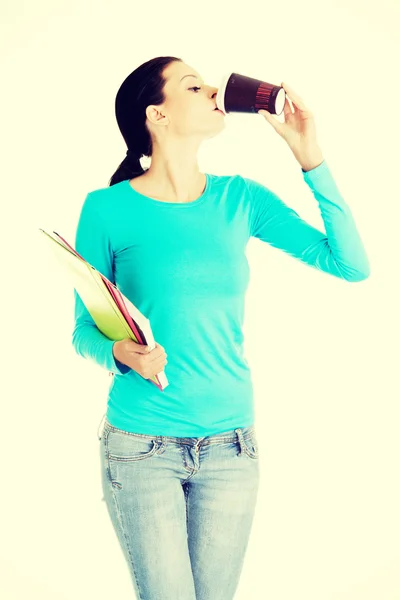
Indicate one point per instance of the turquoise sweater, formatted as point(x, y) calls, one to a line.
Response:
point(184, 266)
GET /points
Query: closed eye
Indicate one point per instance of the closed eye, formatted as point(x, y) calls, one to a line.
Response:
point(195, 88)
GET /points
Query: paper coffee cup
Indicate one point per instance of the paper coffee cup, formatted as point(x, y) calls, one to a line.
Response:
point(242, 94)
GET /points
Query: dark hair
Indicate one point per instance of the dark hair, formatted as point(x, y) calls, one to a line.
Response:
point(144, 86)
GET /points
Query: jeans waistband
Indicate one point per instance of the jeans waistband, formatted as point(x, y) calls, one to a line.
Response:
point(227, 436)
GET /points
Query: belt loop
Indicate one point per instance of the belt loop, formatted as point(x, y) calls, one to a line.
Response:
point(239, 433)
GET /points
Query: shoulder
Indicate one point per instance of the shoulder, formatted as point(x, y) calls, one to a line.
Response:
point(233, 183)
point(104, 198)
point(240, 185)
point(109, 191)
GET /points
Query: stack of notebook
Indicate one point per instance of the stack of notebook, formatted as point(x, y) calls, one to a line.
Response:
point(115, 316)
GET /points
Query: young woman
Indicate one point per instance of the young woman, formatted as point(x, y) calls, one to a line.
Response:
point(180, 467)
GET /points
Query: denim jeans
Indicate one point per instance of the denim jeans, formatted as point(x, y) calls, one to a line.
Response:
point(182, 509)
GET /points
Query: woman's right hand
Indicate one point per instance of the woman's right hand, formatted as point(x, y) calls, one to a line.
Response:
point(139, 358)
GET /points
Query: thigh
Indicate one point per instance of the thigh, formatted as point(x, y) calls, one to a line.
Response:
point(221, 501)
point(147, 508)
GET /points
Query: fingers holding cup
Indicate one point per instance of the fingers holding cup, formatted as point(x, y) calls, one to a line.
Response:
point(296, 100)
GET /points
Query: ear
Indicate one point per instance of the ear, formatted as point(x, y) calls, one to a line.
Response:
point(155, 114)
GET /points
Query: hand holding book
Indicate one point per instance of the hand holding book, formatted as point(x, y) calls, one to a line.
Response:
point(140, 358)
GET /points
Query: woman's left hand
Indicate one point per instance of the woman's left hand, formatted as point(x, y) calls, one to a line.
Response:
point(299, 129)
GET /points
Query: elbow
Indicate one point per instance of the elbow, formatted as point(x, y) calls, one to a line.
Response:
point(352, 274)
point(358, 276)
point(359, 272)
point(362, 273)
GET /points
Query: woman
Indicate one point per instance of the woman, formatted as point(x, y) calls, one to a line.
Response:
point(180, 467)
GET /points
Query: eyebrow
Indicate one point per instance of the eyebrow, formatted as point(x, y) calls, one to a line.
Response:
point(189, 76)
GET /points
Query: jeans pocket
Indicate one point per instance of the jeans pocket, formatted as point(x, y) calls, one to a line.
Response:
point(128, 447)
point(251, 444)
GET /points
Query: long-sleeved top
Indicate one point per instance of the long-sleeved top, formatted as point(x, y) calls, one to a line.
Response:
point(184, 266)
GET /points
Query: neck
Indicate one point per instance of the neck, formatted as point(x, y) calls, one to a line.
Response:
point(174, 175)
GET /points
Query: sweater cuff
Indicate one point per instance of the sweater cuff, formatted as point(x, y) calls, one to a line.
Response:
point(320, 171)
point(114, 365)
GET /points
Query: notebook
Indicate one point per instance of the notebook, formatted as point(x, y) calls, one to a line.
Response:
point(113, 313)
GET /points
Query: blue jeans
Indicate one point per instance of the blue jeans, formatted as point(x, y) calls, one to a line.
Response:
point(182, 509)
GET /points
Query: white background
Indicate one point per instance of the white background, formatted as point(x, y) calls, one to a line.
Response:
point(323, 352)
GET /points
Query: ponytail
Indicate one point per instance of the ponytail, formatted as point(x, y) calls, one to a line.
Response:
point(129, 168)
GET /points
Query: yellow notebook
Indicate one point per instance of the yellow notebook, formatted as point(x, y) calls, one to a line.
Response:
point(114, 314)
